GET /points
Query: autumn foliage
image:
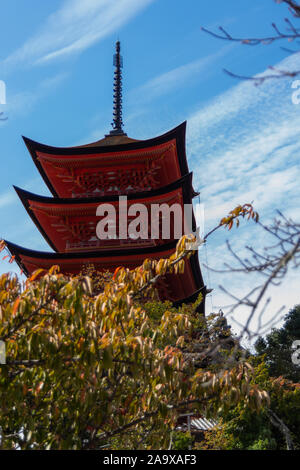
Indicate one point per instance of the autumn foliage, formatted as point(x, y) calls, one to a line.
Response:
point(85, 371)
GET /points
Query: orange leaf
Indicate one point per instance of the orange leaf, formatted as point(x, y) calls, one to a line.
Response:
point(54, 269)
point(35, 274)
point(116, 272)
point(15, 307)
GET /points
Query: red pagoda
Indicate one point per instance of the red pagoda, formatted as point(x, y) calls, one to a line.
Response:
point(153, 171)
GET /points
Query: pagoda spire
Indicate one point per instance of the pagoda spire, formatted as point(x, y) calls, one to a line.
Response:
point(117, 109)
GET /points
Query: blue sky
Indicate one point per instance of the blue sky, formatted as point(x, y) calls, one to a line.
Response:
point(242, 141)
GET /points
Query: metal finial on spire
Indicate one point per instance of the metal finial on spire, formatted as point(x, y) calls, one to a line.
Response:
point(117, 109)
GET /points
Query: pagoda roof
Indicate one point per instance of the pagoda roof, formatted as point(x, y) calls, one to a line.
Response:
point(59, 219)
point(57, 164)
point(185, 183)
point(110, 143)
point(109, 140)
point(178, 286)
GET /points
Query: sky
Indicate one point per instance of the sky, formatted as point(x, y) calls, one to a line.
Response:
point(242, 140)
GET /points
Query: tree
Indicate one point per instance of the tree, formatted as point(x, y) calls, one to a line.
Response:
point(88, 371)
point(290, 34)
point(276, 427)
point(277, 347)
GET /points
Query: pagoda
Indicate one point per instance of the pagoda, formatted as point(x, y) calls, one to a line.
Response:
point(81, 178)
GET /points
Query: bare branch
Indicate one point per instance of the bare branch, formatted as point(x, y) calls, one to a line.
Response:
point(271, 262)
point(292, 34)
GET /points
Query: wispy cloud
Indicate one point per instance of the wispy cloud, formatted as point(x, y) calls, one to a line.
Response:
point(178, 77)
point(244, 146)
point(22, 102)
point(246, 143)
point(74, 27)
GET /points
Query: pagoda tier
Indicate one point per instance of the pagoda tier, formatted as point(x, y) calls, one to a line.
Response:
point(69, 225)
point(173, 287)
point(82, 178)
point(113, 165)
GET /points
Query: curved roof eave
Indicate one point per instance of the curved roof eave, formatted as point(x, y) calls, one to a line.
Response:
point(177, 133)
point(18, 250)
point(25, 196)
point(184, 182)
